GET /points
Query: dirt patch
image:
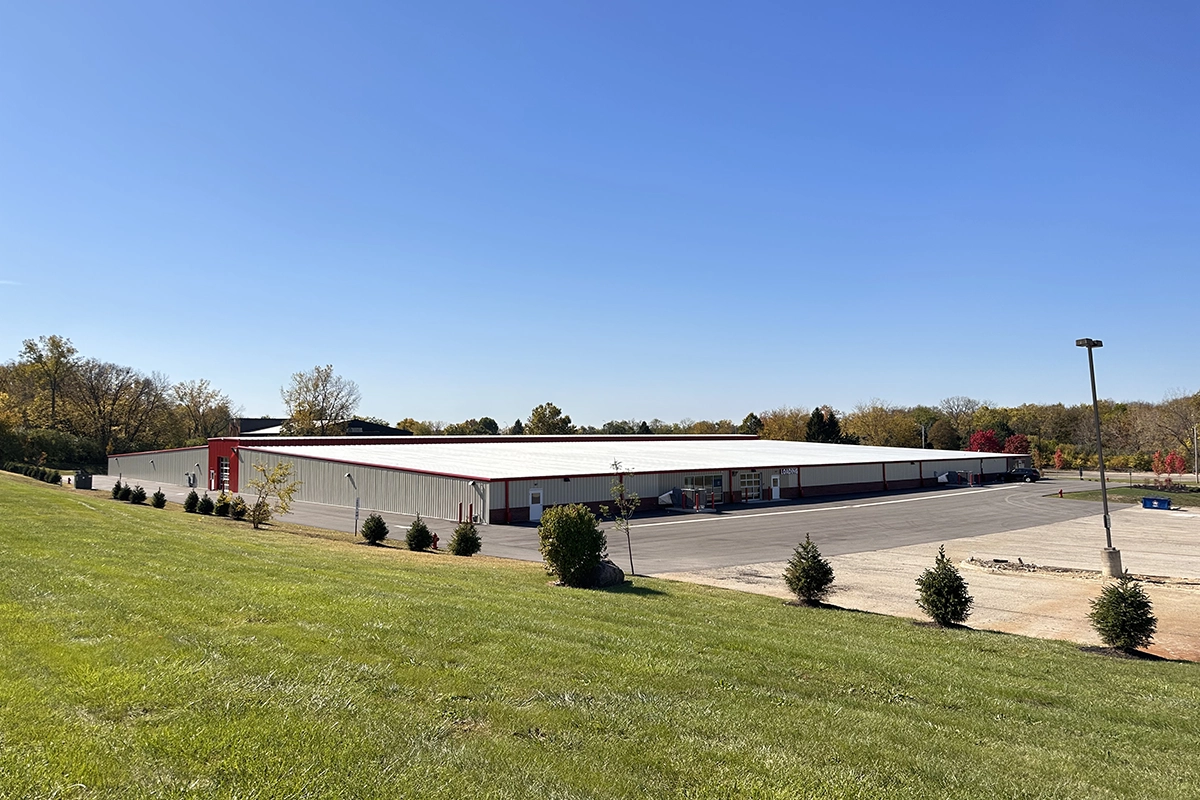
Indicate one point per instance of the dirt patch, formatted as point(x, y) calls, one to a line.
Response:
point(1116, 652)
point(1004, 565)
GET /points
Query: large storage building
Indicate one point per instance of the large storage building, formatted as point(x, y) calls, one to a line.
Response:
point(505, 479)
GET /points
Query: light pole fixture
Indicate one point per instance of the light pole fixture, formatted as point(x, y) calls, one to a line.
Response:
point(350, 478)
point(1110, 557)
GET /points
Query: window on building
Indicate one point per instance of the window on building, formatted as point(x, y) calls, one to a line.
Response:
point(711, 484)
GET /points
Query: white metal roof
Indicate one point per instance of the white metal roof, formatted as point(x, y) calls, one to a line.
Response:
point(499, 460)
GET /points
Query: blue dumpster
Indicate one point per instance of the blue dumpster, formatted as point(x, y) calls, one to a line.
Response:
point(1156, 502)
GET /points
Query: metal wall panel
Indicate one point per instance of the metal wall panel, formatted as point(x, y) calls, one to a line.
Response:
point(994, 465)
point(556, 491)
point(379, 489)
point(951, 465)
point(846, 473)
point(161, 468)
point(904, 471)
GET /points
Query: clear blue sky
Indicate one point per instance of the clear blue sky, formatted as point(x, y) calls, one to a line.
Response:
point(630, 209)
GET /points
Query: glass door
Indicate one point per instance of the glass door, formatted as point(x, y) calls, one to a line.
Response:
point(751, 485)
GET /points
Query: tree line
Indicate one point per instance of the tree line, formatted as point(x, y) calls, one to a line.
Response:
point(60, 408)
point(1053, 434)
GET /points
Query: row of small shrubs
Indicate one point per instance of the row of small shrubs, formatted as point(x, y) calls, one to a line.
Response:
point(464, 542)
point(1122, 615)
point(137, 495)
point(226, 505)
point(52, 476)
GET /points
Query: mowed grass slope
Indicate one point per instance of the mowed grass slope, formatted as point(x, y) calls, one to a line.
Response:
point(148, 653)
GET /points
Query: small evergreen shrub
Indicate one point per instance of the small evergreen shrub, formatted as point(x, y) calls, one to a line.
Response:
point(418, 537)
point(206, 504)
point(465, 541)
point(942, 592)
point(116, 490)
point(137, 496)
point(571, 543)
point(1123, 615)
point(221, 507)
point(191, 502)
point(56, 477)
point(238, 507)
point(374, 529)
point(125, 493)
point(808, 575)
point(158, 499)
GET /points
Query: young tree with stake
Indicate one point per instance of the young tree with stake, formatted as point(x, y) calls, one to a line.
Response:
point(623, 507)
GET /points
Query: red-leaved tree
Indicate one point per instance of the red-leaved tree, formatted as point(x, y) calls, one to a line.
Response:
point(1158, 463)
point(984, 442)
point(1174, 463)
point(1017, 444)
point(1060, 460)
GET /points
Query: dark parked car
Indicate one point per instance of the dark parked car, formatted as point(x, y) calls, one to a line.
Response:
point(1022, 474)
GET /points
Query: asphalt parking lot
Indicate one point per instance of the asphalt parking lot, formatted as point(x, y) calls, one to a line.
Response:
point(748, 535)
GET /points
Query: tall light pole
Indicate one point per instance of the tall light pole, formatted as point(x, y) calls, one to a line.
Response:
point(1110, 557)
point(350, 478)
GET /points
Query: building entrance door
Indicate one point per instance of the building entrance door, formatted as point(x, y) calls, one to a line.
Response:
point(775, 487)
point(535, 505)
point(751, 485)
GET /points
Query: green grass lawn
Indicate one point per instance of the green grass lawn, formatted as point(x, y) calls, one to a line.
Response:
point(1125, 494)
point(148, 653)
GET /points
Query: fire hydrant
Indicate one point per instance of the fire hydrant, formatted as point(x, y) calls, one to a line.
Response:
point(1060, 493)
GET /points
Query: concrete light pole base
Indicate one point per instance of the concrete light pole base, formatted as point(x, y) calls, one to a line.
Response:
point(1110, 562)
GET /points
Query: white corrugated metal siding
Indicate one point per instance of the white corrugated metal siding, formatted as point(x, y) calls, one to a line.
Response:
point(951, 465)
point(841, 474)
point(161, 468)
point(904, 471)
point(379, 489)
